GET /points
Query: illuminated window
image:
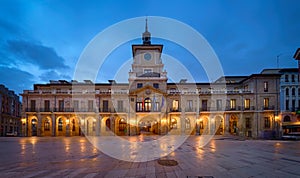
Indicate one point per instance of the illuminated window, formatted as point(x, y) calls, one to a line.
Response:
point(233, 104)
point(266, 86)
point(175, 105)
point(187, 123)
point(60, 124)
point(147, 104)
point(266, 103)
point(47, 125)
point(173, 123)
point(247, 103)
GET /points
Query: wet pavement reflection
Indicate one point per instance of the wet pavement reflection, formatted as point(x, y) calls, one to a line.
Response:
point(220, 157)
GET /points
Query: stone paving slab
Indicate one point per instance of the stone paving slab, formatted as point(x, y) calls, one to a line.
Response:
point(77, 157)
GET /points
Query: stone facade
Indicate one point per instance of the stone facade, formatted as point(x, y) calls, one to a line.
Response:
point(239, 105)
point(10, 113)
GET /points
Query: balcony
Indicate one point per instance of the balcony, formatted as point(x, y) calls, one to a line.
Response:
point(268, 108)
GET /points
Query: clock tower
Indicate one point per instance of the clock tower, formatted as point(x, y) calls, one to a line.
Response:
point(147, 66)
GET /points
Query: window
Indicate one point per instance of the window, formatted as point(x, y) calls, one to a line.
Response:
point(219, 105)
point(187, 123)
point(266, 86)
point(105, 105)
point(139, 106)
point(286, 119)
point(293, 91)
point(293, 105)
point(76, 105)
point(60, 124)
point(233, 104)
point(139, 85)
point(267, 122)
point(147, 71)
point(204, 105)
point(47, 105)
point(173, 123)
point(90, 105)
point(189, 105)
point(61, 105)
point(247, 103)
point(246, 88)
point(47, 125)
point(287, 105)
point(266, 103)
point(286, 78)
point(120, 106)
point(287, 92)
point(32, 105)
point(293, 78)
point(147, 104)
point(155, 85)
point(248, 123)
point(175, 105)
point(107, 124)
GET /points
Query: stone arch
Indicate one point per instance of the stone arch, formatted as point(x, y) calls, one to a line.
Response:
point(90, 126)
point(287, 118)
point(148, 125)
point(33, 126)
point(46, 126)
point(218, 125)
point(233, 124)
point(202, 125)
point(61, 125)
point(75, 126)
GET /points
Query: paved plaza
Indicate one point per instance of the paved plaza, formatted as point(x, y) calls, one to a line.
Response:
point(221, 157)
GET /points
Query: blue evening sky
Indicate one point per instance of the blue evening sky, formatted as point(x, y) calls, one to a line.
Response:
point(41, 40)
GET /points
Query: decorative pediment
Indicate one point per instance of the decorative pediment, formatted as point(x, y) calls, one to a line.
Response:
point(147, 90)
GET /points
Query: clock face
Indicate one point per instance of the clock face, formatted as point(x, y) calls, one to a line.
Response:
point(147, 56)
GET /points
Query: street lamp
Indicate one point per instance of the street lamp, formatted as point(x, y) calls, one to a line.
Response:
point(23, 120)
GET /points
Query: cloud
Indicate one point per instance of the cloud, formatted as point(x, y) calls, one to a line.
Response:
point(16, 79)
point(42, 56)
point(53, 75)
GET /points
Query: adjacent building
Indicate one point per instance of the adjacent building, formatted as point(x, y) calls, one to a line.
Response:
point(240, 105)
point(10, 113)
point(289, 114)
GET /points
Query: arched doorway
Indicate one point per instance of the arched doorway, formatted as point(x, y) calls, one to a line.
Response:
point(47, 127)
point(122, 127)
point(148, 126)
point(233, 125)
point(218, 125)
point(287, 119)
point(33, 127)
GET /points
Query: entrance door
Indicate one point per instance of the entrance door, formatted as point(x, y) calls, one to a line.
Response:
point(219, 125)
point(33, 127)
point(148, 126)
point(233, 125)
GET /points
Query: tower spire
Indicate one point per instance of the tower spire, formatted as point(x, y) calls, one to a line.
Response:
point(146, 35)
point(146, 27)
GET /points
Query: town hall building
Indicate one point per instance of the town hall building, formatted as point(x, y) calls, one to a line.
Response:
point(247, 106)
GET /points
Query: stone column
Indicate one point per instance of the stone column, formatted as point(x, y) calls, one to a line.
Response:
point(39, 125)
point(53, 121)
point(98, 125)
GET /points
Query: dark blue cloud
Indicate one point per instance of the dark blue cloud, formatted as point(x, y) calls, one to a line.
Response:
point(16, 79)
point(53, 75)
point(42, 56)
